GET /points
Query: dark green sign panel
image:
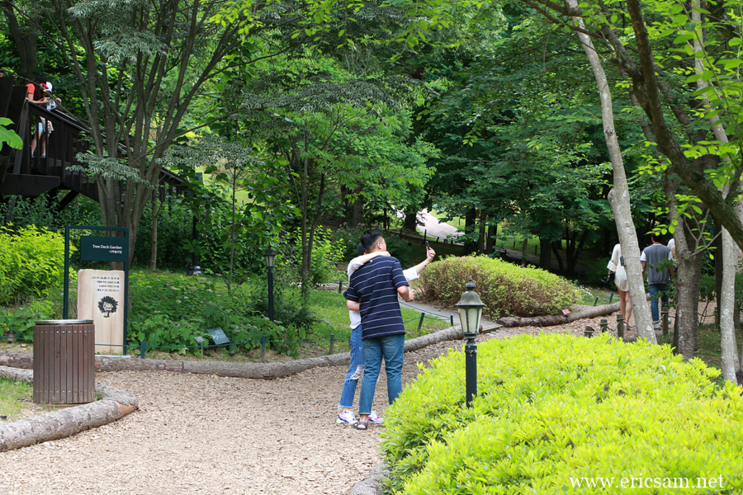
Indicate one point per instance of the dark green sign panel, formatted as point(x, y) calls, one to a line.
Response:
point(104, 249)
point(218, 336)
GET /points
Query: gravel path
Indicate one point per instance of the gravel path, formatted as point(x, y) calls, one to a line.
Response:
point(200, 434)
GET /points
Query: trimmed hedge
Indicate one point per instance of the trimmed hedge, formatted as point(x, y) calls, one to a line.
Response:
point(557, 409)
point(505, 288)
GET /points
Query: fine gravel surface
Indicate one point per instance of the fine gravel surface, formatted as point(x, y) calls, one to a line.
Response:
point(204, 434)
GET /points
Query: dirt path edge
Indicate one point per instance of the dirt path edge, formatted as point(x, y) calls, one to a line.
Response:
point(114, 405)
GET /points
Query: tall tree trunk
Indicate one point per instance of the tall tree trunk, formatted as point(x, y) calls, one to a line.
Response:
point(490, 242)
point(483, 228)
point(718, 272)
point(469, 226)
point(524, 249)
point(357, 211)
point(153, 250)
point(688, 275)
point(619, 197)
point(726, 295)
point(575, 252)
point(556, 249)
point(25, 42)
point(545, 253)
point(411, 220)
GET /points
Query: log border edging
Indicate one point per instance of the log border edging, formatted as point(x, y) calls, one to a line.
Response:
point(114, 405)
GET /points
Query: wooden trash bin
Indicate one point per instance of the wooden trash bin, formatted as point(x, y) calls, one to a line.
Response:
point(64, 362)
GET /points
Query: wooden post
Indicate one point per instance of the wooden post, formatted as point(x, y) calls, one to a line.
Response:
point(604, 326)
point(620, 326)
point(588, 332)
point(332, 342)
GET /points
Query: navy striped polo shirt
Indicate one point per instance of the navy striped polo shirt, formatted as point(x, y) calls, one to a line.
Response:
point(374, 286)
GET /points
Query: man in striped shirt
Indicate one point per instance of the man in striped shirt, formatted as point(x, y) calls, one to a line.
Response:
point(373, 291)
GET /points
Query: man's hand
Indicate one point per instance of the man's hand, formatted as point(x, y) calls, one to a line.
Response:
point(353, 305)
point(411, 295)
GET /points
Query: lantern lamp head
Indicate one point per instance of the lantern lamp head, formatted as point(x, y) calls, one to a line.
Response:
point(270, 258)
point(470, 310)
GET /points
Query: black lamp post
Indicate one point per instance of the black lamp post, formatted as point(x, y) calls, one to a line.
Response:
point(195, 268)
point(270, 260)
point(470, 311)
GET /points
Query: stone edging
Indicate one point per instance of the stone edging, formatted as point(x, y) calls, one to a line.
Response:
point(238, 370)
point(372, 484)
point(114, 405)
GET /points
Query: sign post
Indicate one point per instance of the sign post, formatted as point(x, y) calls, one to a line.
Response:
point(96, 248)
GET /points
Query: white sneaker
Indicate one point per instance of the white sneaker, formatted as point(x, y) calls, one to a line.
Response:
point(346, 417)
point(374, 418)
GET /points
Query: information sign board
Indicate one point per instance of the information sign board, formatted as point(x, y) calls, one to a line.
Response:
point(104, 248)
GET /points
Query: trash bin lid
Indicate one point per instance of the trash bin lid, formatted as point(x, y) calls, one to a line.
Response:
point(63, 322)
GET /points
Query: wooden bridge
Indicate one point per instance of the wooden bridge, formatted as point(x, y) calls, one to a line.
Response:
point(25, 175)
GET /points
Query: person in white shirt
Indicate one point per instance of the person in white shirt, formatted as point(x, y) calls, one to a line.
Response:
point(356, 368)
point(616, 265)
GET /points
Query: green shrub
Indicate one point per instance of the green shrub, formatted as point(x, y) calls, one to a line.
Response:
point(506, 289)
point(169, 311)
point(326, 254)
point(555, 407)
point(31, 264)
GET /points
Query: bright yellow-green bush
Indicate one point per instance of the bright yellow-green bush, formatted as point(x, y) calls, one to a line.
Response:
point(556, 409)
point(31, 263)
point(505, 288)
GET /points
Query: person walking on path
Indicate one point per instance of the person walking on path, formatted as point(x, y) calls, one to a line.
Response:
point(356, 368)
point(616, 266)
point(375, 287)
point(655, 261)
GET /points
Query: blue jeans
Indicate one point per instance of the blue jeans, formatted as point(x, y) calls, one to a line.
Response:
point(392, 349)
point(654, 290)
point(355, 370)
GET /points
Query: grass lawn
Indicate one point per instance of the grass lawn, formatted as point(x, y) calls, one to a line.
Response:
point(12, 397)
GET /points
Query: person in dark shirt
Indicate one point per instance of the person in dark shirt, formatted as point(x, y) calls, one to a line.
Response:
point(373, 291)
point(655, 262)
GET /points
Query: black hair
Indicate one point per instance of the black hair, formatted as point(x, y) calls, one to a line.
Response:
point(360, 250)
point(369, 238)
point(656, 236)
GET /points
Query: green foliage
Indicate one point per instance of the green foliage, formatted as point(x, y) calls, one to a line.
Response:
point(170, 311)
point(327, 253)
point(505, 288)
point(31, 264)
point(42, 212)
point(555, 407)
point(174, 229)
point(8, 135)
